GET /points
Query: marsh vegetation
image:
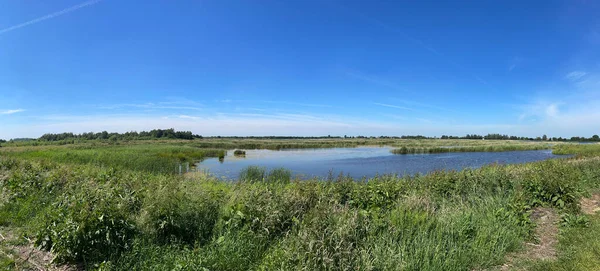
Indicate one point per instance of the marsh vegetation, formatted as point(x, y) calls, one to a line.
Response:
point(239, 153)
point(119, 207)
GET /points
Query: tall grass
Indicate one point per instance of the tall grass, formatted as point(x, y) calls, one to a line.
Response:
point(278, 144)
point(260, 174)
point(483, 148)
point(116, 219)
point(147, 158)
point(578, 149)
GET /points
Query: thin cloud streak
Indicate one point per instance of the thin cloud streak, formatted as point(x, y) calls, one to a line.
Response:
point(575, 124)
point(9, 112)
point(49, 16)
point(375, 80)
point(575, 75)
point(150, 106)
point(419, 43)
point(298, 104)
point(394, 106)
point(418, 104)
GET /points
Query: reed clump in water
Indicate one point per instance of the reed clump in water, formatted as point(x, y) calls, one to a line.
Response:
point(239, 153)
point(491, 148)
point(120, 218)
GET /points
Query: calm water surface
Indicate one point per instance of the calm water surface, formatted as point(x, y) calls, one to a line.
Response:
point(362, 161)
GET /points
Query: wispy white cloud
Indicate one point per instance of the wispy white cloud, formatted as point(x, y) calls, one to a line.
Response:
point(152, 106)
point(419, 104)
point(419, 43)
point(428, 121)
point(255, 109)
point(394, 106)
point(539, 110)
point(255, 102)
point(374, 79)
point(553, 120)
point(516, 61)
point(575, 75)
point(594, 36)
point(49, 16)
point(187, 117)
point(12, 111)
point(552, 110)
point(394, 116)
point(298, 104)
point(180, 101)
point(575, 123)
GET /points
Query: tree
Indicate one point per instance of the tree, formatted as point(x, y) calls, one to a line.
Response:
point(544, 137)
point(595, 138)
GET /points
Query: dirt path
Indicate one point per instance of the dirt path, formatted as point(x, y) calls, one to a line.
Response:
point(546, 236)
point(591, 205)
point(27, 256)
point(546, 233)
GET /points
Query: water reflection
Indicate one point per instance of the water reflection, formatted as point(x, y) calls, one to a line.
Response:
point(361, 162)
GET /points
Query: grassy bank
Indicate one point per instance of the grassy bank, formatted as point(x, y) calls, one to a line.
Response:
point(140, 157)
point(134, 217)
point(482, 148)
point(581, 150)
point(277, 144)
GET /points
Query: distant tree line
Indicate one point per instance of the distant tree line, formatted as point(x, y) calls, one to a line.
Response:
point(69, 138)
point(104, 135)
point(507, 137)
point(275, 137)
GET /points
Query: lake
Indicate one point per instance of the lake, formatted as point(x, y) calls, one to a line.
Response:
point(362, 161)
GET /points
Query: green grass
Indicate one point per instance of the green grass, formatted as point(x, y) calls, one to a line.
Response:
point(578, 149)
point(481, 148)
point(7, 263)
point(578, 250)
point(75, 202)
point(147, 158)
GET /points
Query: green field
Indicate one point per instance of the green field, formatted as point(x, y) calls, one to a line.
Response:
point(121, 206)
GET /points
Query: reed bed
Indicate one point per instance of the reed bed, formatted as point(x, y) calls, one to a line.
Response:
point(483, 148)
point(115, 218)
point(147, 158)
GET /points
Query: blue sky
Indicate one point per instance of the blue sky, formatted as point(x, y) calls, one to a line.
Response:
point(300, 67)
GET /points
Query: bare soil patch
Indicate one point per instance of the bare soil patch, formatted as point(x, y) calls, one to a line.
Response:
point(591, 205)
point(546, 239)
point(28, 257)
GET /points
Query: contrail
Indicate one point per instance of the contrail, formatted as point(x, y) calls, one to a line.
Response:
point(50, 16)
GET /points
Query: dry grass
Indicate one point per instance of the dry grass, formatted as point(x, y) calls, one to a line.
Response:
point(26, 256)
point(590, 205)
point(546, 240)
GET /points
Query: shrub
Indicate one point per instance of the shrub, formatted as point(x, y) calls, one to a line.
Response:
point(328, 238)
point(279, 175)
point(176, 213)
point(252, 174)
point(553, 184)
point(376, 195)
point(89, 223)
point(268, 210)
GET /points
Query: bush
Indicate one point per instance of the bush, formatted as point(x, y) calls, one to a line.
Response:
point(553, 184)
point(268, 210)
point(252, 174)
point(89, 224)
point(329, 238)
point(279, 175)
point(175, 213)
